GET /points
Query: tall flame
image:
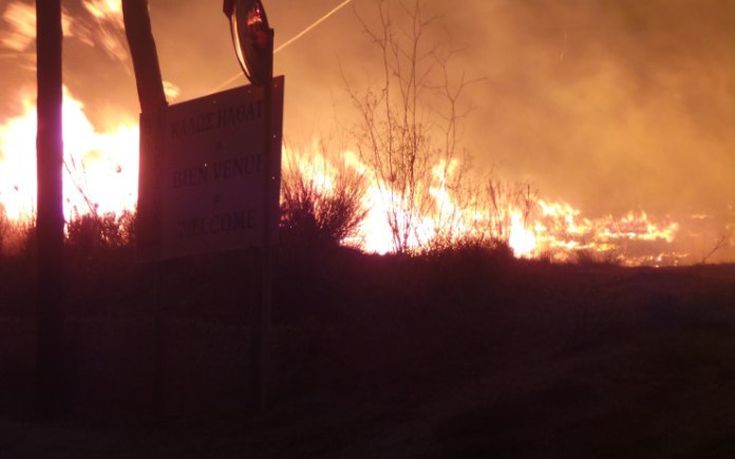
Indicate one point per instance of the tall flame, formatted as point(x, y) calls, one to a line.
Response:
point(101, 170)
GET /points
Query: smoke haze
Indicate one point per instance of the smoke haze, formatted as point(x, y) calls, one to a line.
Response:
point(608, 104)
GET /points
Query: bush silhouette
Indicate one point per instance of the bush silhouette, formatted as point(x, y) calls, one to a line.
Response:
point(311, 214)
point(94, 231)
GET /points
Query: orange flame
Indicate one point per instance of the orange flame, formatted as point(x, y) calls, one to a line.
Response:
point(546, 228)
point(102, 168)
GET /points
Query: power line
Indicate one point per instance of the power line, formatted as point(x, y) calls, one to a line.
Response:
point(313, 26)
point(291, 41)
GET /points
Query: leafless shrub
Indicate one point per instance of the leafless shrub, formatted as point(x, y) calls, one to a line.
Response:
point(721, 243)
point(397, 121)
point(504, 198)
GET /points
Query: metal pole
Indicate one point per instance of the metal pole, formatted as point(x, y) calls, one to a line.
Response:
point(262, 327)
point(50, 215)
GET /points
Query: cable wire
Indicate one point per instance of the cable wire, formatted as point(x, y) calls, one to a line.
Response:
point(289, 42)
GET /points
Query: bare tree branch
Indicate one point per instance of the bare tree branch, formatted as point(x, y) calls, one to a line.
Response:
point(394, 135)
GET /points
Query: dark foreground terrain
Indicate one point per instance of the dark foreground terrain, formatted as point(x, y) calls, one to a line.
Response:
point(460, 353)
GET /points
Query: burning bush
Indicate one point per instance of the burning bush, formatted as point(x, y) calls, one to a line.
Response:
point(15, 236)
point(408, 133)
point(313, 214)
point(94, 231)
point(4, 228)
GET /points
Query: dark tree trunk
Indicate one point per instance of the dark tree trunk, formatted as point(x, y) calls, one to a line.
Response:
point(152, 102)
point(50, 217)
point(145, 59)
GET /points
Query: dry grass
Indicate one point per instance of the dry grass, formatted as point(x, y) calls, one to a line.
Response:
point(455, 352)
point(94, 231)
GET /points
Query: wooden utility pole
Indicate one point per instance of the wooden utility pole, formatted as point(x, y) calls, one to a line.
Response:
point(50, 215)
point(152, 104)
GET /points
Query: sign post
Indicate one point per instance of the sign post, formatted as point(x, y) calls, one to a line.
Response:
point(262, 338)
point(218, 182)
point(214, 184)
point(252, 38)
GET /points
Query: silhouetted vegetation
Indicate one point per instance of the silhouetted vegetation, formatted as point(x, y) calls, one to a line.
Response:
point(311, 214)
point(409, 120)
point(94, 231)
point(16, 237)
point(4, 228)
point(460, 346)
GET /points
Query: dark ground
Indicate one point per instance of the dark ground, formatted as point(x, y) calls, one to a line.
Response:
point(459, 354)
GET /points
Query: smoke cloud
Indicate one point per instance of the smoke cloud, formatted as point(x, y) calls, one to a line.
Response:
point(608, 104)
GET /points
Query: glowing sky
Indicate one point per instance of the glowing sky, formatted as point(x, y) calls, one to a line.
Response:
point(610, 104)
